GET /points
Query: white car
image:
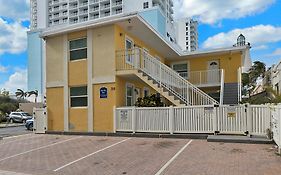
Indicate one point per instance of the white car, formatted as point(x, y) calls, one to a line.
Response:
point(19, 117)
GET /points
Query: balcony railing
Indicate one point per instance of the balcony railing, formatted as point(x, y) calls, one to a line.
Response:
point(206, 78)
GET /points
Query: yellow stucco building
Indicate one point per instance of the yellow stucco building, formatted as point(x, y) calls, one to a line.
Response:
point(93, 68)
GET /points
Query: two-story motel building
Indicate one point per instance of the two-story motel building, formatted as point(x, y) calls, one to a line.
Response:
point(92, 68)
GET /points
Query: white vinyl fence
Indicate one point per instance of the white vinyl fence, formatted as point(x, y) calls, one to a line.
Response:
point(239, 119)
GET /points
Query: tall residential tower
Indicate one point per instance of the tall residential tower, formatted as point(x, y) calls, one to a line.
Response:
point(187, 34)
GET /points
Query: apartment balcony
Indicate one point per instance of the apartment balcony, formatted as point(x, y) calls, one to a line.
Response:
point(117, 4)
point(84, 4)
point(94, 2)
point(206, 78)
point(105, 7)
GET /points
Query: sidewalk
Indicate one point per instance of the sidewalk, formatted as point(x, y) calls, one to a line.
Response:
point(10, 173)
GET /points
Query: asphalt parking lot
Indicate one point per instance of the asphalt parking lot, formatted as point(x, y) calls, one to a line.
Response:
point(57, 154)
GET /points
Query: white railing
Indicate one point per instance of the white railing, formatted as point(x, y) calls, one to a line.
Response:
point(261, 120)
point(206, 78)
point(240, 119)
point(163, 75)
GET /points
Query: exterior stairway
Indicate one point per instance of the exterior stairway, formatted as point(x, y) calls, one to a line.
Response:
point(162, 78)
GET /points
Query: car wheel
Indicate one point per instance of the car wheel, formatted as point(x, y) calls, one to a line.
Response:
point(30, 126)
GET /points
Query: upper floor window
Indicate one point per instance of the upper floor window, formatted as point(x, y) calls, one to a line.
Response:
point(145, 5)
point(78, 49)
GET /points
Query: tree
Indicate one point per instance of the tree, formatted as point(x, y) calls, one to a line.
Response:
point(4, 92)
point(258, 69)
point(20, 93)
point(35, 93)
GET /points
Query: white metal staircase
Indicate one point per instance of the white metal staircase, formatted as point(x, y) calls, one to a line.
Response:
point(162, 78)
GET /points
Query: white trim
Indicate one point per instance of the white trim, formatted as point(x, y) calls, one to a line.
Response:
point(103, 79)
point(65, 89)
point(90, 84)
point(55, 84)
point(127, 38)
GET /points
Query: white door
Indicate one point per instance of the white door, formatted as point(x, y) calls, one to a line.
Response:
point(40, 120)
point(129, 45)
point(213, 72)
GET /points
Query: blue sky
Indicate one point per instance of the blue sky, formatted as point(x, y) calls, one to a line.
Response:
point(220, 23)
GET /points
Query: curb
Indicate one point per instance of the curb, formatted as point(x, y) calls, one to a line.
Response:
point(141, 135)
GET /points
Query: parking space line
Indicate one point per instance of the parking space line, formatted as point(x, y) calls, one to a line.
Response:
point(42, 147)
point(173, 158)
point(103, 149)
point(10, 137)
point(35, 136)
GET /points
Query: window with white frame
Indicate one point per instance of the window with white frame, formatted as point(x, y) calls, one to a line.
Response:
point(78, 49)
point(78, 96)
point(129, 95)
point(145, 5)
point(181, 68)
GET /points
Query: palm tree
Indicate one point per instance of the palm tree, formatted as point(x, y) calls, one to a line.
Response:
point(20, 93)
point(258, 69)
point(33, 93)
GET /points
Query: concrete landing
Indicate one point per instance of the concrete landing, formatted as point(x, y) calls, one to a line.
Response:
point(239, 139)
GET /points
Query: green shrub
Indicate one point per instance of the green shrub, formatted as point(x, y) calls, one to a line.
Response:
point(150, 101)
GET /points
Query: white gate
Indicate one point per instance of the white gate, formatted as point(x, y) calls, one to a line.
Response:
point(239, 119)
point(40, 120)
point(232, 119)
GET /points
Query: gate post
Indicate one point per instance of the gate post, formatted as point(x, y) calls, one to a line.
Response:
point(215, 119)
point(134, 119)
point(249, 117)
point(171, 119)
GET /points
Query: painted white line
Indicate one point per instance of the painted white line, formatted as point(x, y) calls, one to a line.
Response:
point(21, 139)
point(42, 147)
point(70, 163)
point(5, 138)
point(173, 158)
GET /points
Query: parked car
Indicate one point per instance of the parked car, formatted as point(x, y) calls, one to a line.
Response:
point(21, 117)
point(29, 124)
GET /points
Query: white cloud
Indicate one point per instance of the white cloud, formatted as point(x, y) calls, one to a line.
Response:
point(13, 37)
point(277, 52)
point(260, 47)
point(3, 69)
point(256, 35)
point(213, 11)
point(18, 80)
point(15, 9)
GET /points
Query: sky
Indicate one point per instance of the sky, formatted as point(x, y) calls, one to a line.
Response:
point(220, 23)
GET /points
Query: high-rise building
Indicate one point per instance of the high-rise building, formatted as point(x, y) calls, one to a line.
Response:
point(187, 34)
point(57, 14)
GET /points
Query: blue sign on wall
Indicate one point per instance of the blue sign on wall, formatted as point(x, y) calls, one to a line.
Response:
point(103, 92)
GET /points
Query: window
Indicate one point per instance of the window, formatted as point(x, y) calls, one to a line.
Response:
point(78, 96)
point(78, 49)
point(182, 69)
point(145, 5)
point(129, 95)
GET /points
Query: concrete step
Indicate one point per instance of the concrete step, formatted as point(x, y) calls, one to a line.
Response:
point(239, 139)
